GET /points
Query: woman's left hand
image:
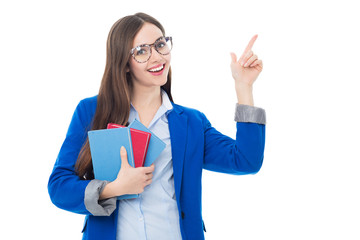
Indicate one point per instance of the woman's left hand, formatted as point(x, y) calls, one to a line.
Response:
point(247, 68)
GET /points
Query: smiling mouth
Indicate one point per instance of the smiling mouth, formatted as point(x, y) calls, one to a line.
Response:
point(157, 68)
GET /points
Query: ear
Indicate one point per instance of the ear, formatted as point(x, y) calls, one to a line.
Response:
point(127, 68)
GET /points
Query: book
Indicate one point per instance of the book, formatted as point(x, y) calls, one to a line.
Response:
point(140, 143)
point(105, 147)
point(156, 145)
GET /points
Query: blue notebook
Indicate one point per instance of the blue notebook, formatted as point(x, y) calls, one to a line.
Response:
point(156, 145)
point(105, 153)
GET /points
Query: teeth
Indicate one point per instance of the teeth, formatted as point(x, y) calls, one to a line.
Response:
point(156, 69)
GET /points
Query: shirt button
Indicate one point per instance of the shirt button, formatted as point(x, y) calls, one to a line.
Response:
point(141, 219)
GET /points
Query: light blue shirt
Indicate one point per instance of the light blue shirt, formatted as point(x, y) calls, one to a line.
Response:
point(154, 215)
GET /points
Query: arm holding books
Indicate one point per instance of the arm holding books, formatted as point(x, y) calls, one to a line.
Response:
point(67, 191)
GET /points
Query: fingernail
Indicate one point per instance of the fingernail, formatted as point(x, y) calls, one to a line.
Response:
point(122, 149)
point(246, 64)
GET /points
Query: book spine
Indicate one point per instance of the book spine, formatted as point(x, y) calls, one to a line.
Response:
point(130, 155)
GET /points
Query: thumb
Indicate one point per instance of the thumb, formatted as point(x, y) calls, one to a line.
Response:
point(124, 159)
point(233, 57)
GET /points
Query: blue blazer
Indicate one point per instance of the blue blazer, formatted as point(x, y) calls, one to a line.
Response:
point(195, 145)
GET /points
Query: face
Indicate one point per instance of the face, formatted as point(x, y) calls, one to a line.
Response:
point(154, 72)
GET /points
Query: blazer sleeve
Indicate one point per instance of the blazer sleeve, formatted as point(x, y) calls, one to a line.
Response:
point(243, 155)
point(65, 188)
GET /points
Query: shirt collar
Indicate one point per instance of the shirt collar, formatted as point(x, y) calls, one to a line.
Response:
point(166, 102)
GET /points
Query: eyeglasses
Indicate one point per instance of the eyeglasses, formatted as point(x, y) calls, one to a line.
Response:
point(142, 53)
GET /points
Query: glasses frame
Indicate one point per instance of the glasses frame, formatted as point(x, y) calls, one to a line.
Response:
point(132, 51)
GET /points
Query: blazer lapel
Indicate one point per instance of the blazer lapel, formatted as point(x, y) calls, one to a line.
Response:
point(178, 134)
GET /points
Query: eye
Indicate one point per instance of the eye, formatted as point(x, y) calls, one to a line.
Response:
point(141, 51)
point(160, 44)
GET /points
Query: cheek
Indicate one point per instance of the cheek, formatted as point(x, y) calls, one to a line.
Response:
point(168, 58)
point(135, 68)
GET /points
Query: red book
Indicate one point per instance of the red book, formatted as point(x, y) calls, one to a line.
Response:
point(140, 142)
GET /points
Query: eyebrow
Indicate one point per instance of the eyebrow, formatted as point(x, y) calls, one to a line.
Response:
point(150, 43)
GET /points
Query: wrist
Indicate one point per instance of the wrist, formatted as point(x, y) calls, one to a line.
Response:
point(112, 189)
point(244, 94)
point(242, 86)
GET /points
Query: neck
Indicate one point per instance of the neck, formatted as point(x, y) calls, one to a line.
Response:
point(143, 98)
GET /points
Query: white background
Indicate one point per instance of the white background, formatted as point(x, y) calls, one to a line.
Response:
point(52, 55)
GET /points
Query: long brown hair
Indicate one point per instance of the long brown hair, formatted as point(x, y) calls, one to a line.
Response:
point(113, 101)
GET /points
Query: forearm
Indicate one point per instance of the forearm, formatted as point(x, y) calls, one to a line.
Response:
point(243, 155)
point(250, 137)
point(67, 191)
point(93, 202)
point(250, 144)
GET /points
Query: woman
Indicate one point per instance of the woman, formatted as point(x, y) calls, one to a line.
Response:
point(137, 85)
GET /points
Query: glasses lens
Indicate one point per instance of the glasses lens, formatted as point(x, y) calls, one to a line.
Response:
point(164, 45)
point(142, 53)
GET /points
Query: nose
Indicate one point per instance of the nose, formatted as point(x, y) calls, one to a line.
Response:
point(155, 55)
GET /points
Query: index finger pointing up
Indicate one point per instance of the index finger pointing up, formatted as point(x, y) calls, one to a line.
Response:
point(250, 45)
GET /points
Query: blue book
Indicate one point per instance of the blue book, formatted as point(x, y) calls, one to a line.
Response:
point(105, 153)
point(156, 145)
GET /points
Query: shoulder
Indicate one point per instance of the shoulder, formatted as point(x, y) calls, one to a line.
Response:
point(182, 109)
point(191, 113)
point(88, 104)
point(86, 108)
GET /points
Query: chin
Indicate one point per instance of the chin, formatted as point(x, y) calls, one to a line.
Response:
point(164, 81)
point(160, 80)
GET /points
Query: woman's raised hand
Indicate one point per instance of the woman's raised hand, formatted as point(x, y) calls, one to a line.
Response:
point(245, 71)
point(248, 67)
